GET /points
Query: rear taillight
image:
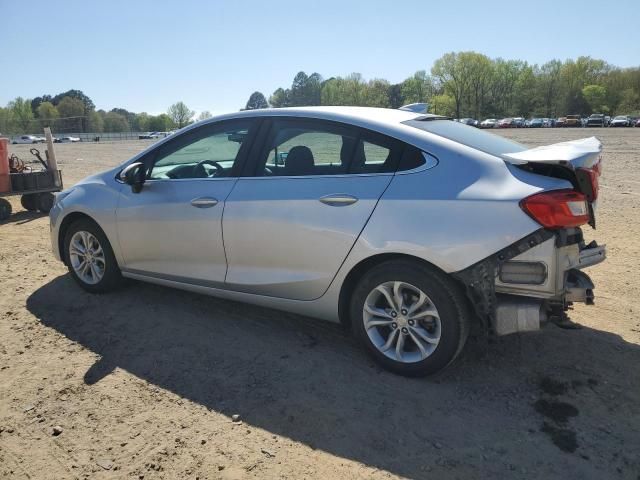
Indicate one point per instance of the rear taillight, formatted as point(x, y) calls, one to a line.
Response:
point(557, 208)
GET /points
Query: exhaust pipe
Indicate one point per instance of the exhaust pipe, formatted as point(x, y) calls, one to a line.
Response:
point(517, 314)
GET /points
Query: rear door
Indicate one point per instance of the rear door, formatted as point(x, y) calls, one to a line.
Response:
point(290, 224)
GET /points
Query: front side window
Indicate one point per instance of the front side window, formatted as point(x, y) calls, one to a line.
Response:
point(208, 152)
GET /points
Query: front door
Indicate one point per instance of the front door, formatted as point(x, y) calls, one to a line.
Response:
point(173, 228)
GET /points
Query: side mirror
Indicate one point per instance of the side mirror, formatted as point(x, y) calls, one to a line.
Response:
point(134, 175)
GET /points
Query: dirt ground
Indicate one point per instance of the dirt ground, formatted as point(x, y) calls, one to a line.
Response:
point(144, 382)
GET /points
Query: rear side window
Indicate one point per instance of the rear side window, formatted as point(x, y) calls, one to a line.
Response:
point(469, 136)
point(309, 148)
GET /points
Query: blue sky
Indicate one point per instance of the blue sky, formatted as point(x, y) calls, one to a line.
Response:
point(145, 55)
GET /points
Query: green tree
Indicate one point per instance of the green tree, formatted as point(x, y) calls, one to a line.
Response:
point(376, 93)
point(596, 97)
point(417, 88)
point(629, 102)
point(279, 98)
point(72, 114)
point(77, 94)
point(115, 122)
point(298, 93)
point(396, 99)
point(160, 123)
point(548, 87)
point(443, 105)
point(140, 122)
point(449, 71)
point(180, 114)
point(47, 114)
point(21, 113)
point(5, 121)
point(95, 122)
point(204, 115)
point(35, 103)
point(256, 101)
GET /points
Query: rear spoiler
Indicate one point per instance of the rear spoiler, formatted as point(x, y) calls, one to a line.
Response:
point(583, 153)
point(416, 107)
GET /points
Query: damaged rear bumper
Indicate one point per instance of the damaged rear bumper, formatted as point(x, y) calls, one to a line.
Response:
point(520, 287)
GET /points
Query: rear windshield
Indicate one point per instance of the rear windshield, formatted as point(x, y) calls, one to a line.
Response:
point(469, 136)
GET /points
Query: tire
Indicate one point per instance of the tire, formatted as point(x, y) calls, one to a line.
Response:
point(5, 209)
point(85, 231)
point(44, 202)
point(29, 201)
point(445, 332)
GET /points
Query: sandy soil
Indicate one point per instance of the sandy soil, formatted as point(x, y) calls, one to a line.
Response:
point(144, 382)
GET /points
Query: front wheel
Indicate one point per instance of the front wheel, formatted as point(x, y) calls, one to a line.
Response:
point(412, 319)
point(89, 257)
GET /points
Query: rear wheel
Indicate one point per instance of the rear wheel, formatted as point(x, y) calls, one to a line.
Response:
point(29, 201)
point(89, 257)
point(411, 318)
point(5, 209)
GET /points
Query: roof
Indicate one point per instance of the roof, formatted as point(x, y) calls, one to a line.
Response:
point(384, 120)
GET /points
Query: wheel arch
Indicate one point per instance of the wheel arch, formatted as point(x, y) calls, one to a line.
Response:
point(358, 270)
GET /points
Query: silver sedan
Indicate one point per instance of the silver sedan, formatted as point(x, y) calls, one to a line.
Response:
point(408, 228)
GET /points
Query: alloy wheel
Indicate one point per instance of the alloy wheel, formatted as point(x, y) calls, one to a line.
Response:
point(402, 322)
point(87, 257)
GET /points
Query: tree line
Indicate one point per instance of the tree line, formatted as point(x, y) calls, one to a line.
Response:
point(459, 84)
point(74, 112)
point(470, 84)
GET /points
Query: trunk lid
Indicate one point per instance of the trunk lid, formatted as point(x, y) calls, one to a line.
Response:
point(578, 161)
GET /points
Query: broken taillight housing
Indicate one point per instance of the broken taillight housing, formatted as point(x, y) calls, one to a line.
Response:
point(557, 208)
point(590, 177)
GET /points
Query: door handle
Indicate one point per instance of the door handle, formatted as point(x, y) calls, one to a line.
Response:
point(338, 199)
point(204, 202)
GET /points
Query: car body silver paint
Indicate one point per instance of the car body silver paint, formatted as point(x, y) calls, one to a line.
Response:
point(452, 215)
point(282, 240)
point(95, 196)
point(159, 230)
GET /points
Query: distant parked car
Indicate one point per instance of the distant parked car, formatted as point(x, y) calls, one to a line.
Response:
point(596, 120)
point(489, 123)
point(472, 122)
point(573, 121)
point(621, 121)
point(69, 140)
point(26, 139)
point(536, 123)
point(507, 123)
point(561, 122)
point(637, 122)
point(151, 135)
point(519, 122)
point(548, 122)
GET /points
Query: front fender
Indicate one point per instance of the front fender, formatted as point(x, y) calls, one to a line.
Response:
point(96, 199)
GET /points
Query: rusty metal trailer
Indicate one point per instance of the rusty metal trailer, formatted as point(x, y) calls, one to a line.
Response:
point(36, 187)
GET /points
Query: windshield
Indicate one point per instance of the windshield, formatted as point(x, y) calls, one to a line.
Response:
point(469, 136)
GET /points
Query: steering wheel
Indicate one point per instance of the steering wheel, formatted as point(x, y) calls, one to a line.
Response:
point(200, 172)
